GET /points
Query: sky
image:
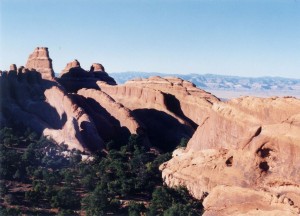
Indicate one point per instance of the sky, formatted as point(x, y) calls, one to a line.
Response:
point(230, 37)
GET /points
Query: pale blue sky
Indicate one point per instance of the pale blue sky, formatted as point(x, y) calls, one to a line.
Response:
point(231, 37)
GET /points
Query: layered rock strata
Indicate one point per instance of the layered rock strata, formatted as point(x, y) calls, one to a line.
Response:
point(112, 119)
point(165, 105)
point(40, 61)
point(243, 157)
point(248, 142)
point(43, 106)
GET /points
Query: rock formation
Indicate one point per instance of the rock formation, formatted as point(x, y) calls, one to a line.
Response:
point(44, 106)
point(231, 200)
point(111, 118)
point(166, 106)
point(96, 67)
point(251, 144)
point(73, 77)
point(243, 155)
point(41, 62)
point(73, 64)
point(183, 97)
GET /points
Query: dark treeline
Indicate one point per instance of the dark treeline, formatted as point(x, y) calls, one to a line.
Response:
point(39, 177)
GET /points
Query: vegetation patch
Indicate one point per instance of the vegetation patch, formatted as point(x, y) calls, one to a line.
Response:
point(39, 177)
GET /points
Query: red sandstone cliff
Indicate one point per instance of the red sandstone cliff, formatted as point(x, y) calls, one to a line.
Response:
point(244, 154)
point(41, 62)
point(44, 106)
point(167, 106)
point(248, 145)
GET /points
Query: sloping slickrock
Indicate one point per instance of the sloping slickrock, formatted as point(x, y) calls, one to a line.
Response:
point(43, 106)
point(235, 123)
point(249, 142)
point(183, 97)
point(165, 105)
point(115, 116)
point(41, 62)
point(236, 201)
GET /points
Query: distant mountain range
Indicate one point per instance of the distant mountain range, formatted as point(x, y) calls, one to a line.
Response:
point(221, 82)
point(227, 86)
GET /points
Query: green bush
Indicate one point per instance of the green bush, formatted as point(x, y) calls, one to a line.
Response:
point(136, 209)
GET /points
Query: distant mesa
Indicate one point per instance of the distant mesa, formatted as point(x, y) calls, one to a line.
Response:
point(41, 62)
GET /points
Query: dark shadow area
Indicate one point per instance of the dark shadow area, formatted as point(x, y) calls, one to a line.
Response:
point(92, 140)
point(77, 78)
point(258, 132)
point(23, 100)
point(108, 127)
point(173, 105)
point(229, 161)
point(264, 166)
point(24, 92)
point(164, 131)
point(263, 152)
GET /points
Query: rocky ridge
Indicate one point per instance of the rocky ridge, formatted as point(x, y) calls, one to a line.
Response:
point(247, 144)
point(243, 155)
point(74, 78)
point(263, 86)
point(167, 106)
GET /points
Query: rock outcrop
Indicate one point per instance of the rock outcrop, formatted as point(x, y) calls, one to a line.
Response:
point(73, 64)
point(243, 155)
point(112, 119)
point(178, 96)
point(73, 77)
point(231, 200)
point(248, 143)
point(41, 62)
point(96, 67)
point(166, 106)
point(43, 106)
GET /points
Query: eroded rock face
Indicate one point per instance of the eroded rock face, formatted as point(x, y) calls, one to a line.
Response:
point(73, 77)
point(41, 62)
point(73, 64)
point(249, 143)
point(243, 153)
point(111, 118)
point(183, 97)
point(44, 106)
point(166, 106)
point(232, 200)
